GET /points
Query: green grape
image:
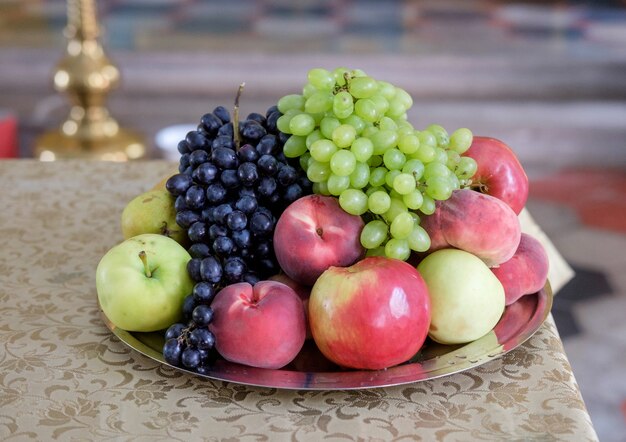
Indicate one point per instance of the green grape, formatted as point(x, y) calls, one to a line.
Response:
point(356, 122)
point(386, 123)
point(313, 137)
point(283, 122)
point(304, 160)
point(374, 234)
point(405, 127)
point(307, 91)
point(384, 140)
point(323, 150)
point(436, 170)
point(454, 181)
point(294, 147)
point(381, 103)
point(419, 240)
point(379, 202)
point(337, 184)
point(328, 125)
point(466, 168)
point(369, 130)
point(453, 159)
point(344, 135)
point(441, 135)
point(427, 138)
point(397, 249)
point(321, 79)
point(404, 98)
point(317, 171)
point(354, 202)
point(343, 105)
point(361, 175)
point(290, 102)
point(415, 216)
point(439, 188)
point(408, 144)
point(404, 183)
point(386, 89)
point(425, 153)
point(362, 87)
point(440, 155)
point(394, 159)
point(414, 167)
point(402, 226)
point(396, 207)
point(342, 162)
point(321, 188)
point(366, 109)
point(428, 205)
point(413, 200)
point(394, 194)
point(377, 176)
point(340, 75)
point(461, 140)
point(321, 101)
point(373, 189)
point(378, 251)
point(301, 125)
point(358, 73)
point(375, 161)
point(390, 176)
point(362, 148)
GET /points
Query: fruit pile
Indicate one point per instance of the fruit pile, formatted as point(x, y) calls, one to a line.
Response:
point(331, 218)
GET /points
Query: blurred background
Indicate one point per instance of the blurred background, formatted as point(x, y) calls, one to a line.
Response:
point(546, 77)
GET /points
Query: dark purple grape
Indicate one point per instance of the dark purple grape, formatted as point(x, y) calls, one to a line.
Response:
point(263, 248)
point(215, 193)
point(226, 130)
point(267, 165)
point(247, 204)
point(223, 246)
point(172, 351)
point(268, 266)
point(261, 224)
point(268, 145)
point(190, 358)
point(189, 303)
point(270, 123)
point(234, 268)
point(247, 153)
point(252, 130)
point(256, 117)
point(293, 193)
point(236, 220)
point(202, 316)
point(180, 204)
point(174, 331)
point(198, 232)
point(223, 142)
point(205, 173)
point(199, 250)
point(183, 163)
point(183, 147)
point(216, 231)
point(193, 269)
point(230, 179)
point(195, 197)
point(221, 113)
point(287, 175)
point(198, 157)
point(203, 292)
point(197, 141)
point(221, 212)
point(251, 278)
point(185, 218)
point(242, 238)
point(224, 158)
point(211, 123)
point(178, 184)
point(211, 270)
point(267, 186)
point(248, 173)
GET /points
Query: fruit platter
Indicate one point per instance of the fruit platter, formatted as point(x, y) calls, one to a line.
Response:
point(328, 243)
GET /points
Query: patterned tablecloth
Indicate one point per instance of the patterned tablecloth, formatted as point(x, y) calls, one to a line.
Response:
point(64, 376)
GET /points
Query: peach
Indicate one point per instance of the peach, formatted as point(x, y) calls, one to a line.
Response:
point(261, 326)
point(313, 234)
point(526, 272)
point(303, 291)
point(477, 223)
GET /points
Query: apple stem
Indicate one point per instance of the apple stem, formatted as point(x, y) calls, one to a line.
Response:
point(144, 259)
point(236, 117)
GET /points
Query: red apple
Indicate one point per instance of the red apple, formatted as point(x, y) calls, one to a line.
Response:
point(261, 326)
point(303, 291)
point(372, 315)
point(314, 233)
point(499, 172)
point(477, 223)
point(526, 272)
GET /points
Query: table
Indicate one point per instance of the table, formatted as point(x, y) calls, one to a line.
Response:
point(65, 376)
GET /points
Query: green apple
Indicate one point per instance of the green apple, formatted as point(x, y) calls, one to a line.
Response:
point(152, 212)
point(142, 282)
point(467, 299)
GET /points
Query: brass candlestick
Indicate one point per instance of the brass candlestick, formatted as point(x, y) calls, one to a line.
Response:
point(87, 75)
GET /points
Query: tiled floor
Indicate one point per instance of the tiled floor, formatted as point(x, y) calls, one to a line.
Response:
point(583, 213)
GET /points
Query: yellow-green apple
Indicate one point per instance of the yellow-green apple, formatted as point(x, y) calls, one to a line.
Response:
point(372, 315)
point(467, 300)
point(261, 326)
point(152, 212)
point(142, 282)
point(526, 272)
point(303, 291)
point(499, 172)
point(477, 223)
point(314, 233)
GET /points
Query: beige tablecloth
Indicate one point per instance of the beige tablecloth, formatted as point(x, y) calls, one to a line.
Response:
point(64, 376)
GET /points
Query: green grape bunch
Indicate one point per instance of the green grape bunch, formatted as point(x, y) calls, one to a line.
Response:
point(351, 135)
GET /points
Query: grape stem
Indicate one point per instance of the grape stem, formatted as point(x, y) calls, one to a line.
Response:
point(144, 259)
point(236, 117)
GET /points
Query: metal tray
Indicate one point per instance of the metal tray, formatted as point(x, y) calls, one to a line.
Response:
point(311, 371)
